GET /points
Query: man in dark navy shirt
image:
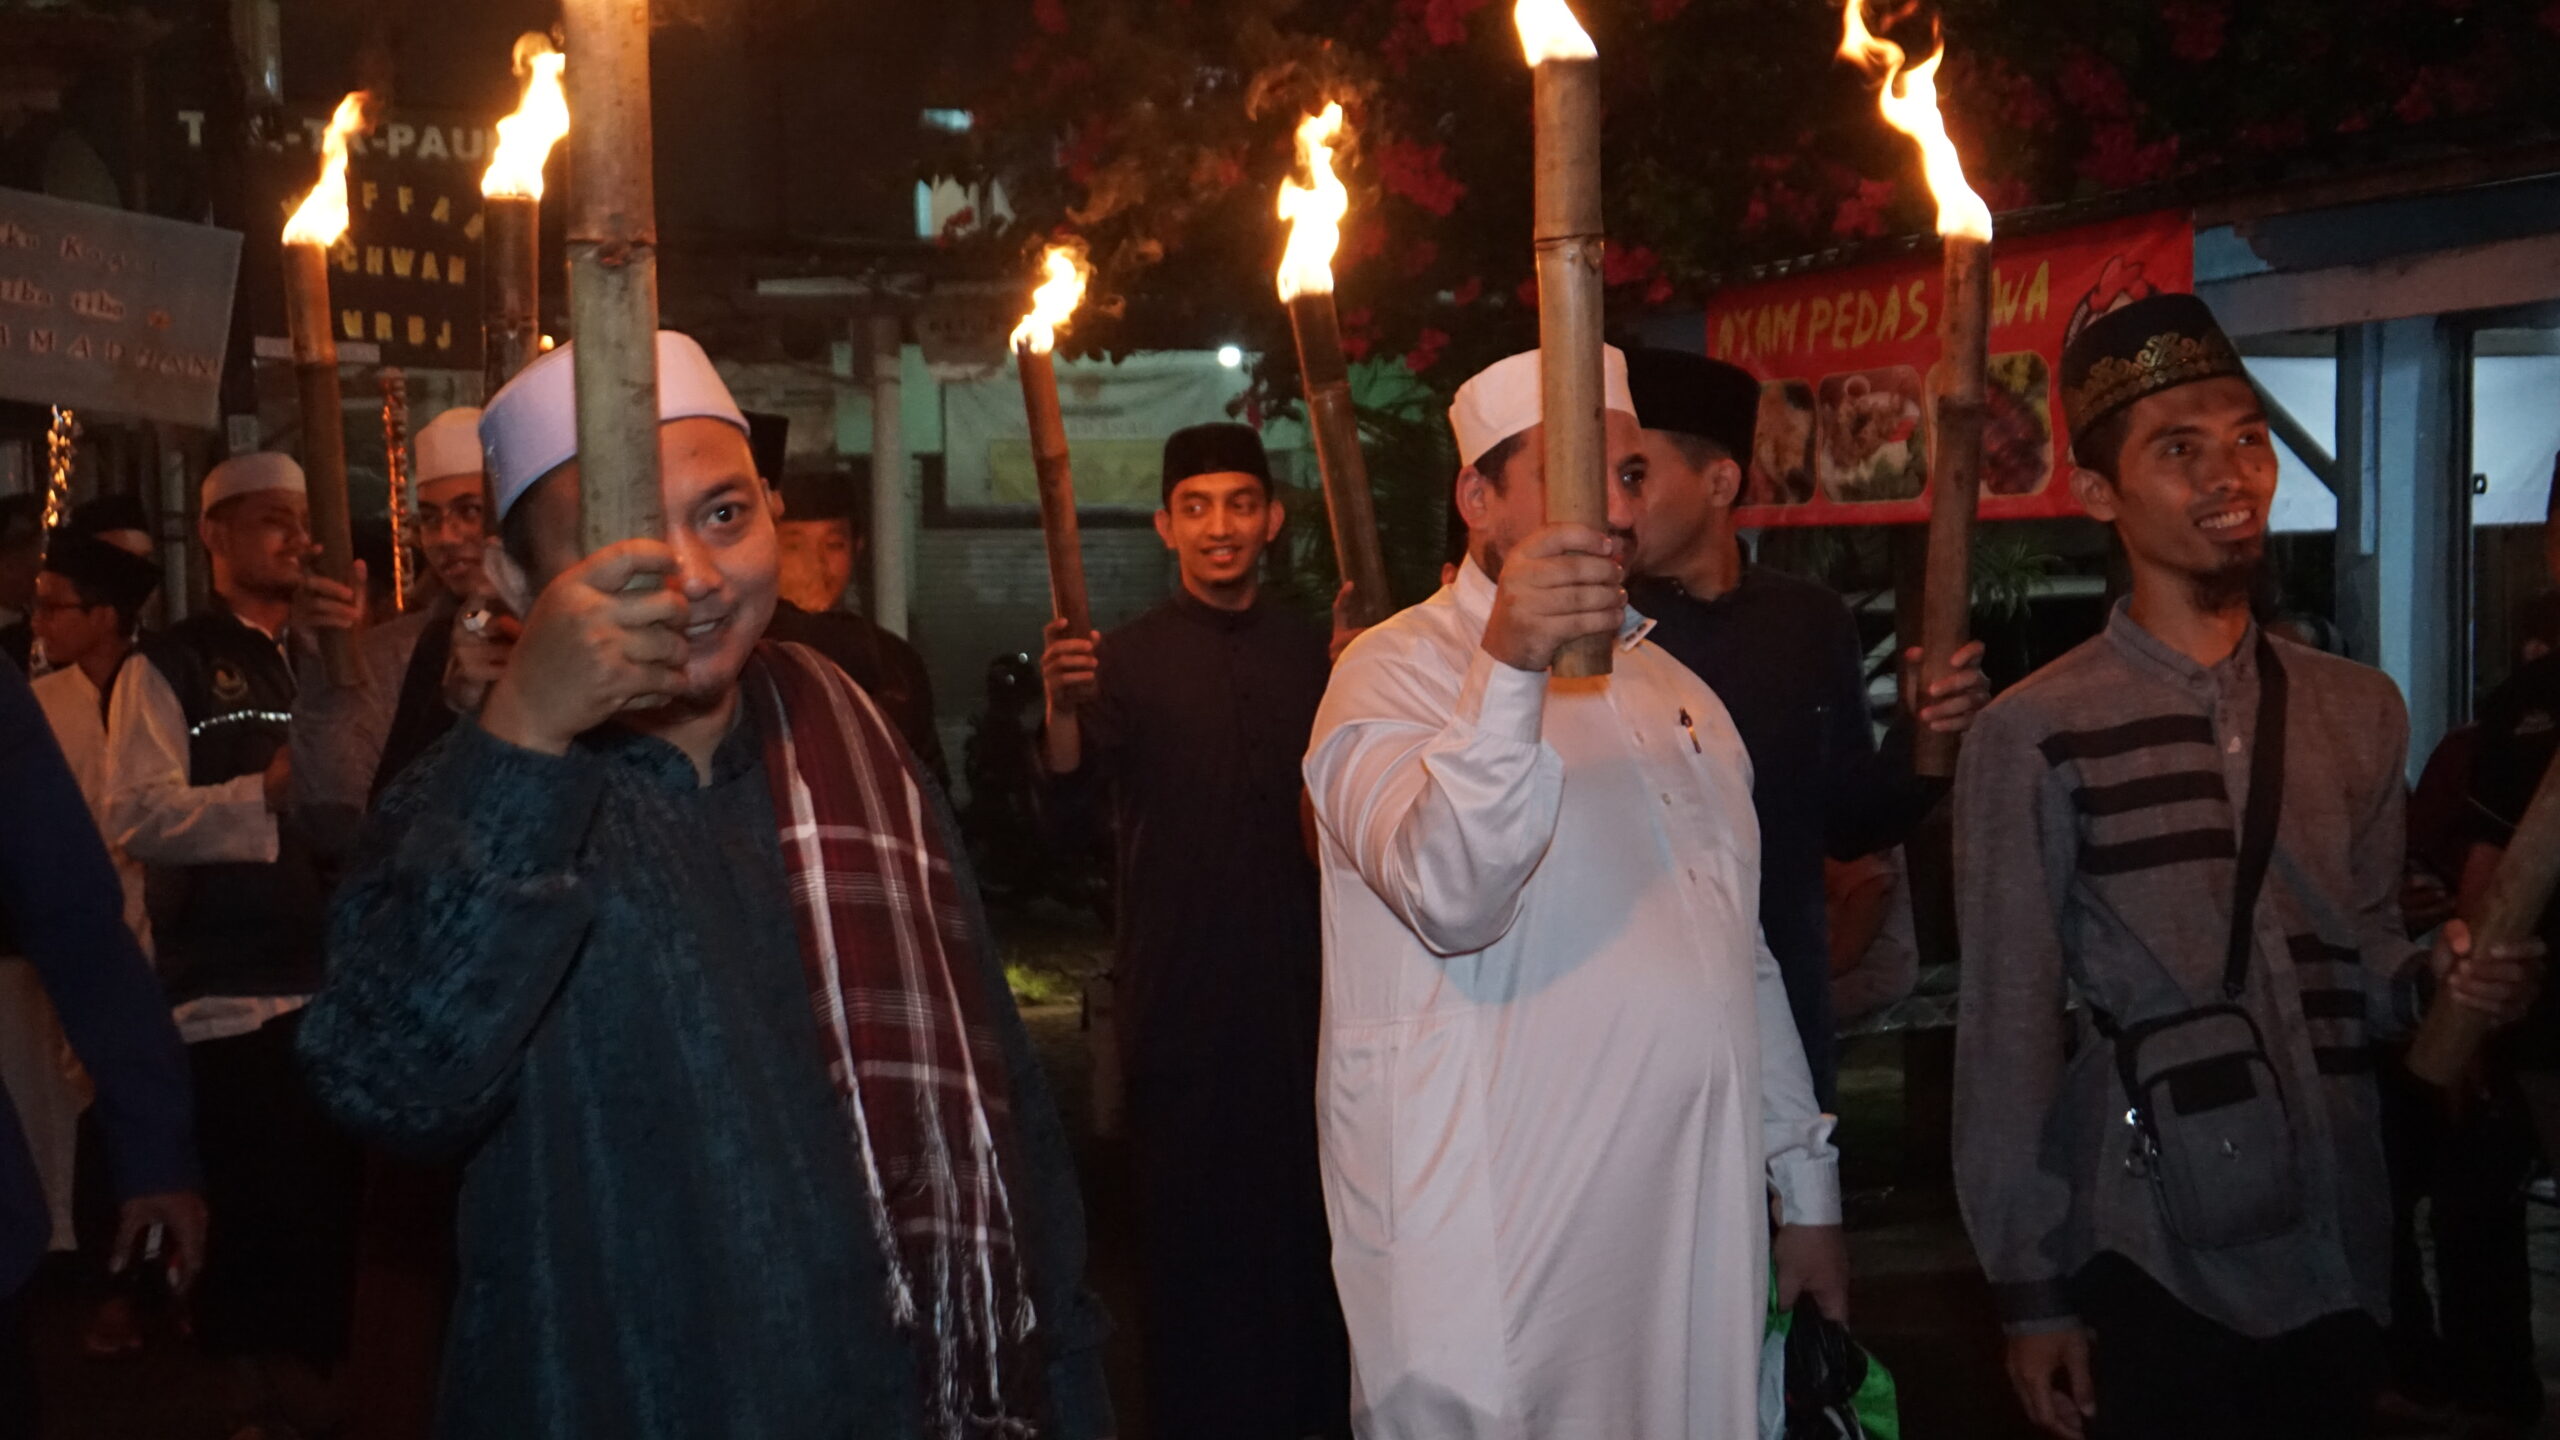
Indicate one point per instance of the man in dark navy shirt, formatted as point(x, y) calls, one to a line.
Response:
point(1784, 656)
point(1192, 719)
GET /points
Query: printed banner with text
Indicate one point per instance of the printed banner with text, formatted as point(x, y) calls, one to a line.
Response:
point(1847, 359)
point(111, 311)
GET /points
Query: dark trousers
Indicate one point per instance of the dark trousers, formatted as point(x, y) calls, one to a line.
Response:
point(2472, 1342)
point(280, 1186)
point(20, 1415)
point(1244, 1339)
point(2164, 1372)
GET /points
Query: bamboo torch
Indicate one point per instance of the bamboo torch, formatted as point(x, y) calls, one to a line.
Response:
point(511, 212)
point(315, 227)
point(1033, 340)
point(1565, 83)
point(2509, 910)
point(1909, 103)
point(1314, 213)
point(613, 271)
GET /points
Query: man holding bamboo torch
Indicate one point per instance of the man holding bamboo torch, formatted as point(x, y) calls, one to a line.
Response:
point(1560, 1079)
point(674, 949)
point(343, 734)
point(1188, 723)
point(2196, 829)
point(1783, 655)
point(198, 790)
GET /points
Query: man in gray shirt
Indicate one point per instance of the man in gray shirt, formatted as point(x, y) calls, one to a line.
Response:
point(2098, 828)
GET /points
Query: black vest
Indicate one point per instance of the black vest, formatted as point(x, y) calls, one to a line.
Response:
point(233, 929)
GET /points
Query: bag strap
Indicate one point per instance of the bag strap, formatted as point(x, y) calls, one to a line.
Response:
point(2258, 822)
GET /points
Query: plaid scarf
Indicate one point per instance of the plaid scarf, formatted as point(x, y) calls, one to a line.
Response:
point(905, 1017)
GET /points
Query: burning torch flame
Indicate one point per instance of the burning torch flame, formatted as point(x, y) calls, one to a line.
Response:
point(1314, 212)
point(1909, 103)
point(322, 216)
point(1548, 31)
point(1054, 301)
point(526, 137)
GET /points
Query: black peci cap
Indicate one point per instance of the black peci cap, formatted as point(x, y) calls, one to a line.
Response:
point(770, 437)
point(1214, 449)
point(101, 568)
point(1692, 395)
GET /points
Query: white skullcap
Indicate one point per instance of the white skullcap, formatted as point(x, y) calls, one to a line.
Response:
point(1506, 397)
point(449, 444)
point(531, 426)
point(247, 475)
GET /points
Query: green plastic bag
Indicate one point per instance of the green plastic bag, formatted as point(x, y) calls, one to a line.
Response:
point(1868, 1412)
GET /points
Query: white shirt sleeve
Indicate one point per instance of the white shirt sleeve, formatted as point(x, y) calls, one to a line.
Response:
point(1804, 1167)
point(1446, 806)
point(152, 813)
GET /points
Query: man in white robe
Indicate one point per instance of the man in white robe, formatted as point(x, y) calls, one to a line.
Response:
point(1559, 1078)
point(87, 598)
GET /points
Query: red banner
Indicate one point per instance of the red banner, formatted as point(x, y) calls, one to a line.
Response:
point(1846, 360)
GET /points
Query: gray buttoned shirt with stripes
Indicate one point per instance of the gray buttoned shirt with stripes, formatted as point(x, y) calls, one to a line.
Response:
point(2097, 824)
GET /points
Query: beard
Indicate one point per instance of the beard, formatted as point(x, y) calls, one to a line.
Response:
point(2230, 585)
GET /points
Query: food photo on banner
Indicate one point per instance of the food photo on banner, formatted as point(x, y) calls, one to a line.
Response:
point(1847, 364)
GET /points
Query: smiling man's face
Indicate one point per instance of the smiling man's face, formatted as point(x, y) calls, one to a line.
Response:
point(719, 521)
point(1217, 526)
point(2194, 479)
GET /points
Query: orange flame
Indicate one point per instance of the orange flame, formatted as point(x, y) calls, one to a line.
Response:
point(526, 137)
point(1909, 103)
point(322, 216)
point(1548, 31)
point(1314, 212)
point(1055, 300)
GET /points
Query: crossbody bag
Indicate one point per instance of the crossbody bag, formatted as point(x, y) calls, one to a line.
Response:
point(2212, 1133)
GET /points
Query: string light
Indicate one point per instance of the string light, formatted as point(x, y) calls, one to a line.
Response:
point(395, 468)
point(58, 450)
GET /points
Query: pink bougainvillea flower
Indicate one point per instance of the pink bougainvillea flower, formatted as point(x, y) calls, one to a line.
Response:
point(1426, 350)
point(1414, 172)
point(2118, 160)
point(1860, 215)
point(2093, 87)
point(1445, 21)
point(1468, 291)
point(1628, 264)
point(1419, 254)
point(2197, 28)
point(1356, 340)
point(2007, 193)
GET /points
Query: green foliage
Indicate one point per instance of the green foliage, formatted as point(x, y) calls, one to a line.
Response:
point(2007, 564)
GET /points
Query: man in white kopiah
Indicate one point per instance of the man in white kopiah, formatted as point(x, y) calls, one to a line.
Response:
point(1559, 1078)
point(348, 740)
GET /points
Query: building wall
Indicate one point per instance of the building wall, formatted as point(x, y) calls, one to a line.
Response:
point(981, 593)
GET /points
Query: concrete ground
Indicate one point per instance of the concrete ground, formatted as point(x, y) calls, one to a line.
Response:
point(1919, 1304)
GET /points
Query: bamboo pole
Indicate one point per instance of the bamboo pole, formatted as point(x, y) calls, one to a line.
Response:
point(1057, 489)
point(511, 256)
point(613, 270)
point(1955, 480)
point(2510, 910)
point(324, 434)
point(1326, 378)
point(1568, 237)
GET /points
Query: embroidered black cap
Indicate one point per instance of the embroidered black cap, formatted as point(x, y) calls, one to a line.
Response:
point(2154, 344)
